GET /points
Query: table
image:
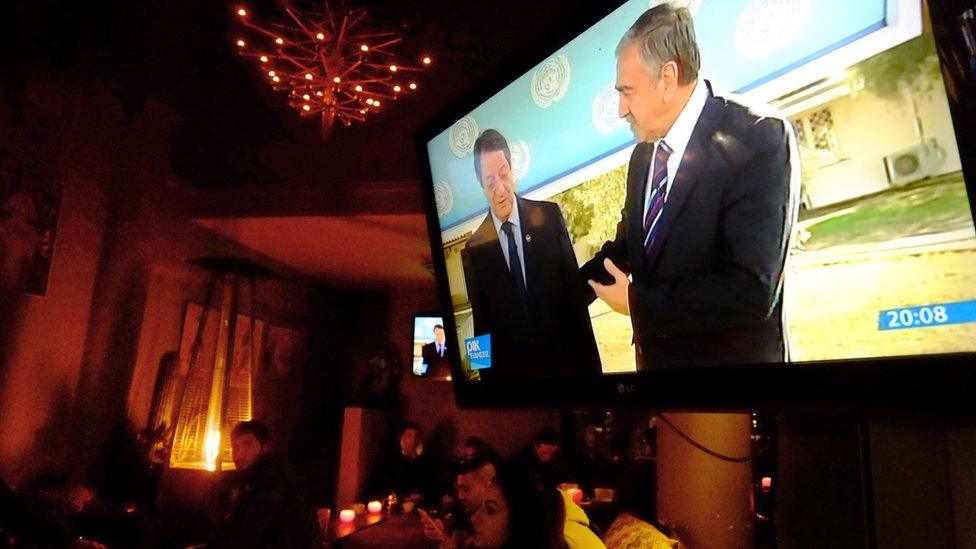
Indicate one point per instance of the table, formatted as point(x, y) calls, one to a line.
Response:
point(338, 530)
point(600, 513)
point(401, 530)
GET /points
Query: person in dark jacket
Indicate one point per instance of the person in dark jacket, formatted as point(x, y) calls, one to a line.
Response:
point(264, 503)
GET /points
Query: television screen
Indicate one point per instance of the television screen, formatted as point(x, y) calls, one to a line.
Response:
point(794, 196)
point(430, 354)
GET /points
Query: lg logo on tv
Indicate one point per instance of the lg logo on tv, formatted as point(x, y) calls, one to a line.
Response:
point(626, 388)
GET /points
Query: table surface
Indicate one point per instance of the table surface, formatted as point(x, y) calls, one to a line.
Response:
point(379, 530)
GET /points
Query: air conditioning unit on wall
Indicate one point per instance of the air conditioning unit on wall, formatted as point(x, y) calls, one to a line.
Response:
point(914, 163)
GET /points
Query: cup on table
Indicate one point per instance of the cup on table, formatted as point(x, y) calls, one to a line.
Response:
point(575, 494)
point(347, 515)
point(603, 494)
point(324, 514)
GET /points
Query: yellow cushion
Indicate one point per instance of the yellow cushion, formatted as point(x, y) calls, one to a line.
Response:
point(629, 532)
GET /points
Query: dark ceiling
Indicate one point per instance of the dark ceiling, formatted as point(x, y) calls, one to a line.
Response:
point(232, 131)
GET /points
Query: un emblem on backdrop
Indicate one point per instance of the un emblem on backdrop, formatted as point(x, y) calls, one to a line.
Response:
point(550, 82)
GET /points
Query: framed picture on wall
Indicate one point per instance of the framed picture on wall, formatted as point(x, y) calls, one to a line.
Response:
point(29, 208)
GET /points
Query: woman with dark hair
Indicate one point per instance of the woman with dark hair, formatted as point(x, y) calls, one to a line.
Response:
point(517, 512)
point(506, 509)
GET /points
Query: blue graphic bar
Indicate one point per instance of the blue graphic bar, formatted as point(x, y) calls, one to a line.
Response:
point(479, 351)
point(940, 314)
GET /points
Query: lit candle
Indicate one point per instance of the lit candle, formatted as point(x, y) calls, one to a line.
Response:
point(576, 494)
point(375, 506)
point(347, 515)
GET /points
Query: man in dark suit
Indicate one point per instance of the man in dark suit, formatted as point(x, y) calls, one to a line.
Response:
point(709, 210)
point(523, 280)
point(434, 354)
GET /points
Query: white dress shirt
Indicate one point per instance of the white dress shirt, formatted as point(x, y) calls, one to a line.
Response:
point(677, 138)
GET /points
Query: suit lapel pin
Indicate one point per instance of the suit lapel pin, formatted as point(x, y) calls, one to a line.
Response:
point(528, 238)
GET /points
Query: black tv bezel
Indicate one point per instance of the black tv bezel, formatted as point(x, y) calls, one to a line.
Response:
point(943, 382)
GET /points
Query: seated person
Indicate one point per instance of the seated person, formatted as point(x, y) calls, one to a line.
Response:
point(576, 525)
point(264, 502)
point(474, 448)
point(543, 460)
point(507, 509)
point(592, 462)
point(406, 472)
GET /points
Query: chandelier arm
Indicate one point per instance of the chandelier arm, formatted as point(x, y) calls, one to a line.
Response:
point(295, 62)
point(351, 68)
point(298, 20)
point(390, 42)
point(297, 45)
point(373, 35)
point(370, 81)
point(342, 31)
point(331, 17)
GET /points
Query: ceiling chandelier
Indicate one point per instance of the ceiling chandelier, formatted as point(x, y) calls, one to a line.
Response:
point(329, 65)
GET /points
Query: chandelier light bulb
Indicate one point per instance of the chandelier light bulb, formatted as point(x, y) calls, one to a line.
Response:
point(364, 47)
point(396, 88)
point(308, 76)
point(362, 111)
point(413, 85)
point(393, 68)
point(242, 12)
point(306, 108)
point(320, 36)
point(337, 80)
point(240, 43)
point(426, 60)
point(359, 88)
point(271, 73)
point(306, 97)
point(369, 101)
point(376, 103)
point(279, 41)
point(319, 93)
point(264, 58)
point(276, 79)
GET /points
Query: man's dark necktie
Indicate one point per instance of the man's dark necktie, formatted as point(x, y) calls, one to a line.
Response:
point(514, 263)
point(658, 192)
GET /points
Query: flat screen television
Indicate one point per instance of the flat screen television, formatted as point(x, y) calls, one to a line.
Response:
point(813, 245)
point(429, 350)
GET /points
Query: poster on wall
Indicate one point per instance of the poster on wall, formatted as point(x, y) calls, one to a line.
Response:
point(29, 207)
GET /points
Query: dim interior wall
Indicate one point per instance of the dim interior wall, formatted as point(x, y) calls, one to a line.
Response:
point(913, 494)
point(169, 289)
point(143, 234)
point(362, 429)
point(68, 357)
point(431, 402)
point(819, 484)
point(961, 446)
point(46, 338)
